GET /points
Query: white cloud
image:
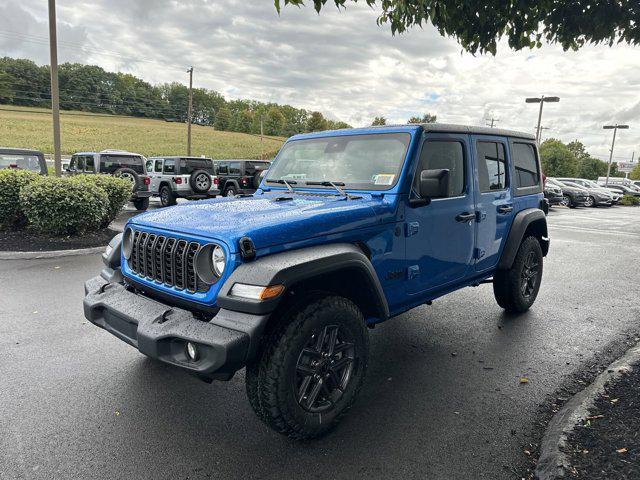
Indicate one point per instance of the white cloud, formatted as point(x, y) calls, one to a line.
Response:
point(341, 63)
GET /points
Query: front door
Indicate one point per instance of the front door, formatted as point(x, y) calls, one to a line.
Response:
point(493, 199)
point(440, 236)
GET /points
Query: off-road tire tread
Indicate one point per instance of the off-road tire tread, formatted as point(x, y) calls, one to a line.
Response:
point(506, 283)
point(262, 377)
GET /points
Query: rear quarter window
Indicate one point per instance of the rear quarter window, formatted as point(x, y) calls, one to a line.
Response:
point(525, 165)
point(111, 163)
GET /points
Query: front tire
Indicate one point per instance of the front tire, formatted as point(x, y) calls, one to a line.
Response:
point(311, 368)
point(516, 289)
point(591, 202)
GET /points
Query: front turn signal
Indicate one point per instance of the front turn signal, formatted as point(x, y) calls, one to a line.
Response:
point(256, 292)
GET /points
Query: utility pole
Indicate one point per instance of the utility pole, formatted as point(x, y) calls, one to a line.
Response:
point(541, 101)
point(55, 98)
point(190, 112)
point(261, 137)
point(613, 143)
point(491, 121)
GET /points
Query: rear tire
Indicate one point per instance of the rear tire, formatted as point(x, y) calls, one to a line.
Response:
point(591, 202)
point(311, 368)
point(516, 289)
point(141, 204)
point(167, 198)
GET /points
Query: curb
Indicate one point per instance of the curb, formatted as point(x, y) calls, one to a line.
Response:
point(50, 253)
point(553, 463)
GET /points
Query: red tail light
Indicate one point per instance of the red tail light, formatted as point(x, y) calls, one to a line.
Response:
point(147, 181)
point(216, 181)
point(244, 180)
point(177, 180)
point(13, 165)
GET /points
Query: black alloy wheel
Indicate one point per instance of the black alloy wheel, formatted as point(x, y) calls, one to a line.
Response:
point(529, 275)
point(323, 370)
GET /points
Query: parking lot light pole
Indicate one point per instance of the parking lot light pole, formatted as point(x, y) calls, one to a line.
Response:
point(190, 112)
point(613, 144)
point(55, 99)
point(541, 100)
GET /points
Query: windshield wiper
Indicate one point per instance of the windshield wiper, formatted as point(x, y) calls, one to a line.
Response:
point(337, 185)
point(282, 181)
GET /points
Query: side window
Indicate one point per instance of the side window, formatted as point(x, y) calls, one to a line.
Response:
point(170, 166)
point(89, 165)
point(492, 173)
point(525, 165)
point(158, 166)
point(234, 168)
point(80, 164)
point(223, 168)
point(438, 154)
point(73, 163)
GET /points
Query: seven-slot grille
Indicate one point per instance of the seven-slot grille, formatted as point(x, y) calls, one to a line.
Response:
point(167, 260)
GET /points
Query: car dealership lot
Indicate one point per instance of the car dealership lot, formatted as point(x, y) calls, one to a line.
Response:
point(443, 397)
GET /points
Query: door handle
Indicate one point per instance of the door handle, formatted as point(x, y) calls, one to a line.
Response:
point(505, 209)
point(465, 217)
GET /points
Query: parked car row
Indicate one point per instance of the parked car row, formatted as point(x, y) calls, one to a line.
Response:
point(172, 177)
point(576, 192)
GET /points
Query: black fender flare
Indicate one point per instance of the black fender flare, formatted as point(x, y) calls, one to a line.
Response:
point(290, 268)
point(521, 223)
point(233, 183)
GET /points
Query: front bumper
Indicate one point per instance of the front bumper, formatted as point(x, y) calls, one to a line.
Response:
point(554, 199)
point(160, 331)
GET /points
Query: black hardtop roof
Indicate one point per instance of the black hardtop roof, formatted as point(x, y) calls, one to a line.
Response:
point(477, 130)
point(179, 157)
point(20, 151)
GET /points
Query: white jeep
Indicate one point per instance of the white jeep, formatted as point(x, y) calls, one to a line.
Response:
point(182, 177)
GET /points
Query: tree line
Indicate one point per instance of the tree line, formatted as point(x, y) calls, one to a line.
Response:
point(573, 160)
point(90, 88)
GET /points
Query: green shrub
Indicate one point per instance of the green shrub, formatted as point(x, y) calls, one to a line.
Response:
point(11, 182)
point(630, 201)
point(63, 206)
point(117, 189)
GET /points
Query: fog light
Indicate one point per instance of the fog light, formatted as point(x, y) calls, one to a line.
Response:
point(192, 351)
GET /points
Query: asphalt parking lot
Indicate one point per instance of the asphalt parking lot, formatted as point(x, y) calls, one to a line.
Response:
point(443, 398)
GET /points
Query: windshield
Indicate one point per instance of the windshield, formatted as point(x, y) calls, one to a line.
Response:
point(361, 162)
point(554, 182)
point(24, 162)
point(190, 165)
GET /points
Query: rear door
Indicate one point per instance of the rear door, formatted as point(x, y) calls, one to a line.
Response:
point(494, 203)
point(156, 174)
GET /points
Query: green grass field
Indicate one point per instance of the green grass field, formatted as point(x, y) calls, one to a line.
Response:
point(31, 128)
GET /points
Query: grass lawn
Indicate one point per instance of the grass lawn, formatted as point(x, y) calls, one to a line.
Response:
point(31, 128)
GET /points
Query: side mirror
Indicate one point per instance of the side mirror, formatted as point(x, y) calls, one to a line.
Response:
point(433, 184)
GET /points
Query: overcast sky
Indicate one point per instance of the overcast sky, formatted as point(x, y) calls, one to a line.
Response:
point(339, 62)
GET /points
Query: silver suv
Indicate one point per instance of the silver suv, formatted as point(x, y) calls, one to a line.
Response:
point(182, 177)
point(120, 163)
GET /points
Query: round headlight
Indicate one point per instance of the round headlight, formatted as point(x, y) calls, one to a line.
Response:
point(218, 260)
point(127, 243)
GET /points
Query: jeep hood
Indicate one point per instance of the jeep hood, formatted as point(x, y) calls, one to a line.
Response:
point(268, 219)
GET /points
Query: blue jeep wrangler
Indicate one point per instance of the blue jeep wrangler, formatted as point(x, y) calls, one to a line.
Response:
point(348, 229)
